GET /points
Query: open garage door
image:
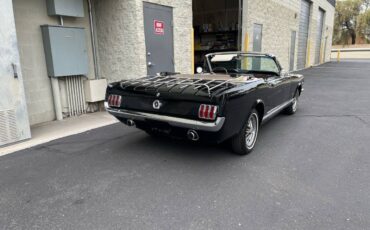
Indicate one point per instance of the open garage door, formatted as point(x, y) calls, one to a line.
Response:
point(320, 25)
point(304, 21)
point(217, 26)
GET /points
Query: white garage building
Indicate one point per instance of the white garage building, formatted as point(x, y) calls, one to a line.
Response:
point(57, 55)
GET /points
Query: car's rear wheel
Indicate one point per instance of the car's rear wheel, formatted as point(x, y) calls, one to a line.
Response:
point(244, 142)
point(292, 108)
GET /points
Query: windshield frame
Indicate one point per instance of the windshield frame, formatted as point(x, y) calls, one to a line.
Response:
point(248, 54)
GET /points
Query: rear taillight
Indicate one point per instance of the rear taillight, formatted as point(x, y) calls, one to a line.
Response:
point(114, 100)
point(208, 112)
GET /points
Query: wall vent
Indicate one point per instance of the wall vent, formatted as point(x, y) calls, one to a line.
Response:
point(8, 127)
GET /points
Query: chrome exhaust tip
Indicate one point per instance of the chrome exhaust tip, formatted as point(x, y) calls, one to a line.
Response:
point(193, 135)
point(130, 123)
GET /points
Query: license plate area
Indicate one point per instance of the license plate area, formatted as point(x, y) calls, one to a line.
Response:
point(160, 127)
point(159, 124)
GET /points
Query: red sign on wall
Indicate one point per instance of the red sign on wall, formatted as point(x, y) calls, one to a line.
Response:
point(158, 27)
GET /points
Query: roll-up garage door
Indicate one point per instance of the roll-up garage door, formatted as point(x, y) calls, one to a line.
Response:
point(320, 24)
point(304, 21)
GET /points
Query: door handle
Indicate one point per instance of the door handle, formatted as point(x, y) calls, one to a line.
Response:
point(15, 70)
point(150, 64)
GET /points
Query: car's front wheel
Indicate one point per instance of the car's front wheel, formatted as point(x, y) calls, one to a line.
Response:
point(292, 108)
point(244, 142)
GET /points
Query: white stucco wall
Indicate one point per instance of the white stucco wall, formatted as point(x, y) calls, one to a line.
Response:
point(29, 16)
point(12, 96)
point(121, 39)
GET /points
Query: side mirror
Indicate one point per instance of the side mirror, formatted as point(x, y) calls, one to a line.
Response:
point(199, 69)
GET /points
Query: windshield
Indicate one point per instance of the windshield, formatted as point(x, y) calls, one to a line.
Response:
point(243, 63)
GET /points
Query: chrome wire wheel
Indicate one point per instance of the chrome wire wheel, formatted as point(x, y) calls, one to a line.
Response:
point(293, 106)
point(295, 103)
point(251, 131)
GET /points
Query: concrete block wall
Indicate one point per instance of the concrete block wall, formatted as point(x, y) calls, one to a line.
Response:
point(117, 39)
point(29, 15)
point(121, 38)
point(279, 18)
point(277, 23)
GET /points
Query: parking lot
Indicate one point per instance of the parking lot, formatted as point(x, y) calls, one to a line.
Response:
point(308, 171)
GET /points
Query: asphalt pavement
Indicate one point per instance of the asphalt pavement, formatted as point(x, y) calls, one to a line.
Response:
point(308, 171)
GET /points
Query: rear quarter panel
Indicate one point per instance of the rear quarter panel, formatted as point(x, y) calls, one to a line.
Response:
point(239, 105)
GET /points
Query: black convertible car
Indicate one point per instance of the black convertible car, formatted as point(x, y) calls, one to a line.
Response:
point(232, 96)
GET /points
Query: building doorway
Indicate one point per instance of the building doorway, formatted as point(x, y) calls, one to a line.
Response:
point(217, 27)
point(158, 38)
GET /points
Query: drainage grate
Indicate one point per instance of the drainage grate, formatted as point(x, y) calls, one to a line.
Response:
point(8, 127)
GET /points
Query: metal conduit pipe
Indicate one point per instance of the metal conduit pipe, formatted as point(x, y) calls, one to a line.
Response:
point(83, 96)
point(75, 84)
point(56, 97)
point(74, 95)
point(68, 97)
point(61, 22)
point(56, 90)
point(93, 43)
point(79, 79)
point(78, 101)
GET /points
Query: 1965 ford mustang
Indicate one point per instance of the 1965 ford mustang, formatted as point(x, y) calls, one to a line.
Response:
point(229, 100)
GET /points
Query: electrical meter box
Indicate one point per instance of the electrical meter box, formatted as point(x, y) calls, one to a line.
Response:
point(70, 8)
point(65, 50)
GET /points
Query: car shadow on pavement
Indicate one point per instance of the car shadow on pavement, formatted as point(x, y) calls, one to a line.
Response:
point(162, 146)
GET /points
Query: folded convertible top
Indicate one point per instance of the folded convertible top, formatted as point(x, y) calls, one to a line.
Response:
point(201, 85)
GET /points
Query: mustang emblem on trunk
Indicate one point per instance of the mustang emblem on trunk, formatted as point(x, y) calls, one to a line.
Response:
point(157, 104)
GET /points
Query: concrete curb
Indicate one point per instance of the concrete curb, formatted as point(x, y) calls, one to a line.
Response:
point(50, 131)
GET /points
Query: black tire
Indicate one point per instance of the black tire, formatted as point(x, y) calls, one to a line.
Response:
point(152, 133)
point(243, 143)
point(292, 108)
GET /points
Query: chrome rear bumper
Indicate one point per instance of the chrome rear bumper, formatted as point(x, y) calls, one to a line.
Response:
point(173, 121)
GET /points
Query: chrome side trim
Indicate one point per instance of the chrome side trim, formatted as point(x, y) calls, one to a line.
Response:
point(174, 121)
point(276, 110)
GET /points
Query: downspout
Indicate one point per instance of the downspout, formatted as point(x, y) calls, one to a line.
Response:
point(93, 42)
point(55, 89)
point(240, 25)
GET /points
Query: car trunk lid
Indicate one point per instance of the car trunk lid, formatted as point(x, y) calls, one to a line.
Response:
point(177, 95)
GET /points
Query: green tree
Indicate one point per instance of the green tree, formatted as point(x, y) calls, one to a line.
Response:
point(363, 27)
point(366, 4)
point(346, 19)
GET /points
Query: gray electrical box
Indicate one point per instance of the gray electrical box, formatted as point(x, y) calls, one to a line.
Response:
point(71, 8)
point(65, 50)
